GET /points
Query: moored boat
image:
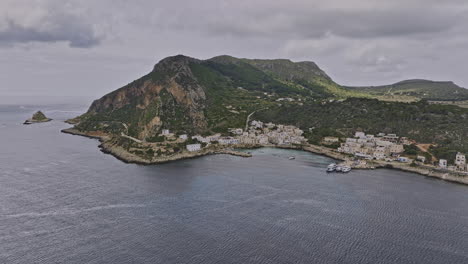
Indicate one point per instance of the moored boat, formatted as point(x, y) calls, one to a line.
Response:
point(331, 167)
point(346, 169)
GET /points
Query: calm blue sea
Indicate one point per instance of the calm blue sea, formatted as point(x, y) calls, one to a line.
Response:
point(63, 201)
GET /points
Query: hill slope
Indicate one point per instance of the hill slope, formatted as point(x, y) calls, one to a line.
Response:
point(415, 90)
point(188, 95)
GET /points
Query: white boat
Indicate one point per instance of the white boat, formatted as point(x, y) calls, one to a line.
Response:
point(346, 169)
point(331, 167)
point(338, 169)
point(292, 157)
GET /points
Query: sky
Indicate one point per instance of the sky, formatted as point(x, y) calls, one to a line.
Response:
point(88, 48)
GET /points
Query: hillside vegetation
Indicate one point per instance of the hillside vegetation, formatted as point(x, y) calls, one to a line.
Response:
point(445, 126)
point(412, 90)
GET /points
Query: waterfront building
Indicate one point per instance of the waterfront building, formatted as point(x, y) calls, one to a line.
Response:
point(443, 163)
point(396, 149)
point(380, 153)
point(421, 159)
point(460, 161)
point(193, 147)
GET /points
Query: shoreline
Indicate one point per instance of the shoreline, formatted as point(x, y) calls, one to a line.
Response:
point(424, 170)
point(123, 155)
point(32, 122)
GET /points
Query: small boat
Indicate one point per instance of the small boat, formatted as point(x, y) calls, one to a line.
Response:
point(346, 169)
point(331, 167)
point(292, 157)
point(338, 169)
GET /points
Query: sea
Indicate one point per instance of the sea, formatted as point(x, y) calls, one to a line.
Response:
point(64, 201)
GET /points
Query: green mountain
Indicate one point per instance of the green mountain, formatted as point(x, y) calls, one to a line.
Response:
point(412, 90)
point(205, 96)
point(187, 95)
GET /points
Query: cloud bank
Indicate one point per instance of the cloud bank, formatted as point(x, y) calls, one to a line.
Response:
point(357, 42)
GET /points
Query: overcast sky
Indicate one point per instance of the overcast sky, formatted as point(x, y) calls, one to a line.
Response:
point(91, 47)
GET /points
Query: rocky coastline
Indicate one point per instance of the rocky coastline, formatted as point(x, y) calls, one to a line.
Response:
point(120, 153)
point(425, 170)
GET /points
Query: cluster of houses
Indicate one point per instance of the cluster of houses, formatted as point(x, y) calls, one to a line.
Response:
point(459, 163)
point(258, 133)
point(380, 147)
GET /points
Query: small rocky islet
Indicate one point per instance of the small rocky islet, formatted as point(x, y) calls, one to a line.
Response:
point(37, 117)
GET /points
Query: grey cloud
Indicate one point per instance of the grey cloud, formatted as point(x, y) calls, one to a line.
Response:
point(357, 42)
point(76, 35)
point(315, 21)
point(47, 23)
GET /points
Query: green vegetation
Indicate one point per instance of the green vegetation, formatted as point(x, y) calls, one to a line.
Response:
point(412, 90)
point(426, 123)
point(411, 150)
point(39, 116)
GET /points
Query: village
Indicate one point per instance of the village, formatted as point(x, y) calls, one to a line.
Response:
point(358, 151)
point(390, 148)
point(257, 134)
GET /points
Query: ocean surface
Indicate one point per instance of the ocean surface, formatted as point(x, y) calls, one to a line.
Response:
point(64, 201)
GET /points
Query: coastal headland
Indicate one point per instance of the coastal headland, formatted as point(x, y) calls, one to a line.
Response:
point(107, 146)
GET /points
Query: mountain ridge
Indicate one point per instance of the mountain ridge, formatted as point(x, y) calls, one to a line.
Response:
point(416, 89)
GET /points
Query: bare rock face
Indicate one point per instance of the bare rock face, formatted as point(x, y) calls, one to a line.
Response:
point(169, 97)
point(37, 117)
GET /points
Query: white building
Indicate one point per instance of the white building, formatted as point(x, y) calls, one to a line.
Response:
point(263, 140)
point(380, 153)
point(256, 124)
point(421, 159)
point(228, 141)
point(183, 136)
point(443, 163)
point(193, 147)
point(165, 132)
point(396, 149)
point(460, 161)
point(360, 135)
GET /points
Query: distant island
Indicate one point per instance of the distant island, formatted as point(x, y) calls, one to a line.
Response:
point(37, 117)
point(187, 107)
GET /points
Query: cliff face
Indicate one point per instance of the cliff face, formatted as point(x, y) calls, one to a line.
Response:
point(169, 97)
